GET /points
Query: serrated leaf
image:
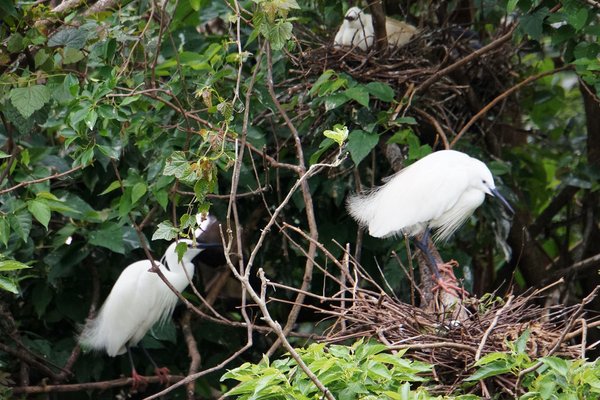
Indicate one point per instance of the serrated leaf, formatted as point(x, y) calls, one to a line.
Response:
point(381, 90)
point(20, 222)
point(166, 231)
point(8, 285)
point(40, 210)
point(4, 230)
point(279, 34)
point(12, 265)
point(70, 37)
point(360, 144)
point(138, 190)
point(177, 165)
point(108, 235)
point(29, 99)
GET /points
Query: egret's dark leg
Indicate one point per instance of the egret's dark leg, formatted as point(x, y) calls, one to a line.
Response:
point(162, 373)
point(138, 380)
point(449, 285)
point(423, 245)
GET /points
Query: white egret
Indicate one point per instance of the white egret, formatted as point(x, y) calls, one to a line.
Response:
point(440, 192)
point(357, 30)
point(139, 299)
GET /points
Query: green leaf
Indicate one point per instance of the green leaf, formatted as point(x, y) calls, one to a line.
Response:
point(9, 285)
point(40, 210)
point(74, 38)
point(177, 165)
point(20, 222)
point(381, 90)
point(113, 186)
point(166, 231)
point(320, 81)
point(511, 5)
point(29, 99)
point(108, 235)
point(578, 18)
point(279, 34)
point(533, 24)
point(557, 364)
point(339, 134)
point(4, 230)
point(14, 43)
point(71, 56)
point(12, 265)
point(494, 368)
point(358, 93)
point(360, 144)
point(521, 343)
point(335, 100)
point(138, 191)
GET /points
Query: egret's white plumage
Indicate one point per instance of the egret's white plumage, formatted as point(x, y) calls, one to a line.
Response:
point(357, 30)
point(439, 191)
point(137, 301)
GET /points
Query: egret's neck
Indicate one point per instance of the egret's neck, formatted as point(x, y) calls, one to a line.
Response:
point(177, 271)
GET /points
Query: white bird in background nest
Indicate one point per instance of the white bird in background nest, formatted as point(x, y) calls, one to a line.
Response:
point(357, 30)
point(440, 191)
point(139, 299)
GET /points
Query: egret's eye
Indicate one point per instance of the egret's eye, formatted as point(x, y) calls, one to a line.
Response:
point(484, 182)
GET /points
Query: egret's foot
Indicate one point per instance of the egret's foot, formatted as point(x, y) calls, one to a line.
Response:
point(138, 381)
point(163, 375)
point(449, 286)
point(448, 269)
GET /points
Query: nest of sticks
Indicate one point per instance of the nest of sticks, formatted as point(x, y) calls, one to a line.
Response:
point(443, 104)
point(453, 341)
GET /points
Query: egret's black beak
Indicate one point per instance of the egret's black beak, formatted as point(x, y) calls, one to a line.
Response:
point(504, 202)
point(200, 245)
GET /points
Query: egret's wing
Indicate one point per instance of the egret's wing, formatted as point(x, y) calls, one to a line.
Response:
point(340, 36)
point(399, 32)
point(128, 312)
point(411, 198)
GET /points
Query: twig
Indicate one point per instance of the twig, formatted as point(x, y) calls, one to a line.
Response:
point(502, 96)
point(80, 387)
point(34, 181)
point(491, 327)
point(476, 54)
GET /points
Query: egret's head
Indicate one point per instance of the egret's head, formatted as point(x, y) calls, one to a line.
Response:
point(193, 248)
point(483, 180)
point(354, 17)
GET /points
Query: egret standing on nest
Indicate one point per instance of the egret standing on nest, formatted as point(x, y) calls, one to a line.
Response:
point(439, 192)
point(137, 301)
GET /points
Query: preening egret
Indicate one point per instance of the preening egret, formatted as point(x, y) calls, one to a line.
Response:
point(139, 299)
point(440, 191)
point(357, 30)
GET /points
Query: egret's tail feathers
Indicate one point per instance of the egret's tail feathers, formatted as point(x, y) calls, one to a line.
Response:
point(90, 338)
point(361, 207)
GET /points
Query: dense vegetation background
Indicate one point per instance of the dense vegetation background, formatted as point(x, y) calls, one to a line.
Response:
point(122, 120)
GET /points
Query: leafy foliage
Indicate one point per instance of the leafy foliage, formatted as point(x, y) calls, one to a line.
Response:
point(118, 126)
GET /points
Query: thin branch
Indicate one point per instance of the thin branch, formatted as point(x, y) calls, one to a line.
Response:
point(34, 181)
point(502, 96)
point(474, 55)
